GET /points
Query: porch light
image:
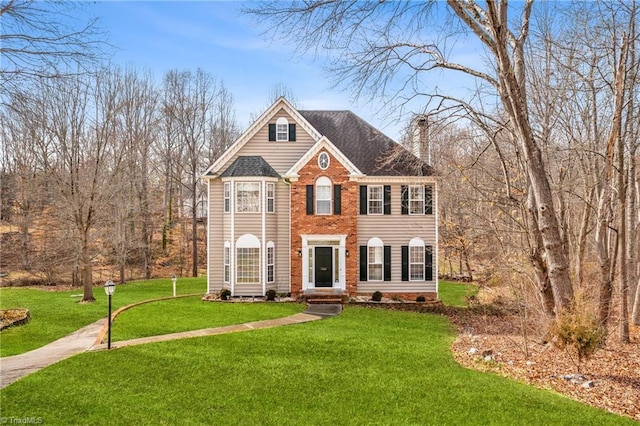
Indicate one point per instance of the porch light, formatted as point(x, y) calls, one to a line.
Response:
point(346, 253)
point(299, 253)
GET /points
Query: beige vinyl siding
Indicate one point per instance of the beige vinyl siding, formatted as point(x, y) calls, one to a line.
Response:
point(283, 240)
point(216, 236)
point(396, 230)
point(280, 155)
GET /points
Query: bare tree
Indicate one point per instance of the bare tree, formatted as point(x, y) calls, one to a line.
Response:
point(382, 43)
point(44, 41)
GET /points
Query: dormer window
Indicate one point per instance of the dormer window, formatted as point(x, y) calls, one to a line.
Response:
point(282, 129)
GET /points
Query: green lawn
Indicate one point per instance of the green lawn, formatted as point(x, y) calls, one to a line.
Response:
point(366, 366)
point(55, 314)
point(455, 294)
point(191, 313)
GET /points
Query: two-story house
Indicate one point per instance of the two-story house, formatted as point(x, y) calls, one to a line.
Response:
point(308, 201)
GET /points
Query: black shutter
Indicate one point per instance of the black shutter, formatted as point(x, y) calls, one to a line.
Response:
point(363, 263)
point(292, 132)
point(387, 199)
point(405, 263)
point(337, 199)
point(272, 132)
point(387, 263)
point(428, 263)
point(428, 199)
point(309, 199)
point(404, 193)
point(363, 199)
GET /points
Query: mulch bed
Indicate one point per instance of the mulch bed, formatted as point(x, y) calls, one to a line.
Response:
point(609, 380)
point(13, 317)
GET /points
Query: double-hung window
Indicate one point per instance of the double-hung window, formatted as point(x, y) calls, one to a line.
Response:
point(375, 199)
point(416, 263)
point(248, 197)
point(416, 199)
point(270, 262)
point(375, 263)
point(227, 197)
point(227, 261)
point(271, 197)
point(323, 195)
point(282, 129)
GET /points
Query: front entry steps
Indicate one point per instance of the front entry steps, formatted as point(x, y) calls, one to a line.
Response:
point(324, 297)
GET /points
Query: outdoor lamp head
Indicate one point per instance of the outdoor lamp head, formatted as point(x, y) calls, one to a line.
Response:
point(109, 287)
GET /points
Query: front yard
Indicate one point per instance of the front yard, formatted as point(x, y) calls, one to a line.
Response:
point(366, 366)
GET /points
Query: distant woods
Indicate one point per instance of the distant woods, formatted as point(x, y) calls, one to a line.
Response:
point(101, 171)
point(538, 156)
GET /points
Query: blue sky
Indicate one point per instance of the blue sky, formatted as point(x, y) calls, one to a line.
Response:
point(217, 37)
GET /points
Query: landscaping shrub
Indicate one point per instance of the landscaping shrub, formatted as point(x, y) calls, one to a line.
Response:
point(376, 296)
point(421, 298)
point(225, 294)
point(271, 295)
point(577, 328)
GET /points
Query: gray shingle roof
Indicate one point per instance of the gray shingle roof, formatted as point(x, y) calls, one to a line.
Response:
point(370, 150)
point(250, 165)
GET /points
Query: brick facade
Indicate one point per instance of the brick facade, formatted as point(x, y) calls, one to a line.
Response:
point(344, 223)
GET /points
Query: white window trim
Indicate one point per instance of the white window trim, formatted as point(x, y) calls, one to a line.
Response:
point(248, 241)
point(421, 212)
point(369, 199)
point(282, 122)
point(227, 197)
point(271, 188)
point(309, 241)
point(417, 243)
point(226, 260)
point(328, 160)
point(271, 247)
point(324, 181)
point(378, 244)
point(237, 204)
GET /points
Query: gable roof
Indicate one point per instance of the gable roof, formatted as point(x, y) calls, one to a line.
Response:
point(250, 165)
point(371, 151)
point(323, 144)
point(280, 103)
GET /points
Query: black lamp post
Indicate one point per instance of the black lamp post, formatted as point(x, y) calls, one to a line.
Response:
point(109, 288)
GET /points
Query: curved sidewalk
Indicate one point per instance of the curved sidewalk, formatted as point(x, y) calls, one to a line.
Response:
point(15, 367)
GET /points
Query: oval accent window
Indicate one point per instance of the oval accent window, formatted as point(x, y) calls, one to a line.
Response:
point(323, 160)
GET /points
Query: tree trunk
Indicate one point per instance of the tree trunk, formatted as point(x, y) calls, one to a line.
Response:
point(582, 237)
point(194, 231)
point(86, 272)
point(536, 249)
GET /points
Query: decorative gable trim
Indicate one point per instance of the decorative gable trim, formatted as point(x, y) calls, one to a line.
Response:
point(323, 144)
point(263, 120)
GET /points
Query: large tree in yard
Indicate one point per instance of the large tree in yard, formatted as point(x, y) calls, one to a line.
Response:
point(389, 49)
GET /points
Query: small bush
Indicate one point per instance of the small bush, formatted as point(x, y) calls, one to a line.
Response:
point(421, 299)
point(271, 295)
point(376, 296)
point(577, 328)
point(225, 294)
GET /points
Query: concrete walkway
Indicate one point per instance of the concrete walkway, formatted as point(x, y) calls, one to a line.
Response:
point(15, 367)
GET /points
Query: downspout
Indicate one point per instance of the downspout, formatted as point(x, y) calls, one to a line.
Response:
point(264, 237)
point(232, 250)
